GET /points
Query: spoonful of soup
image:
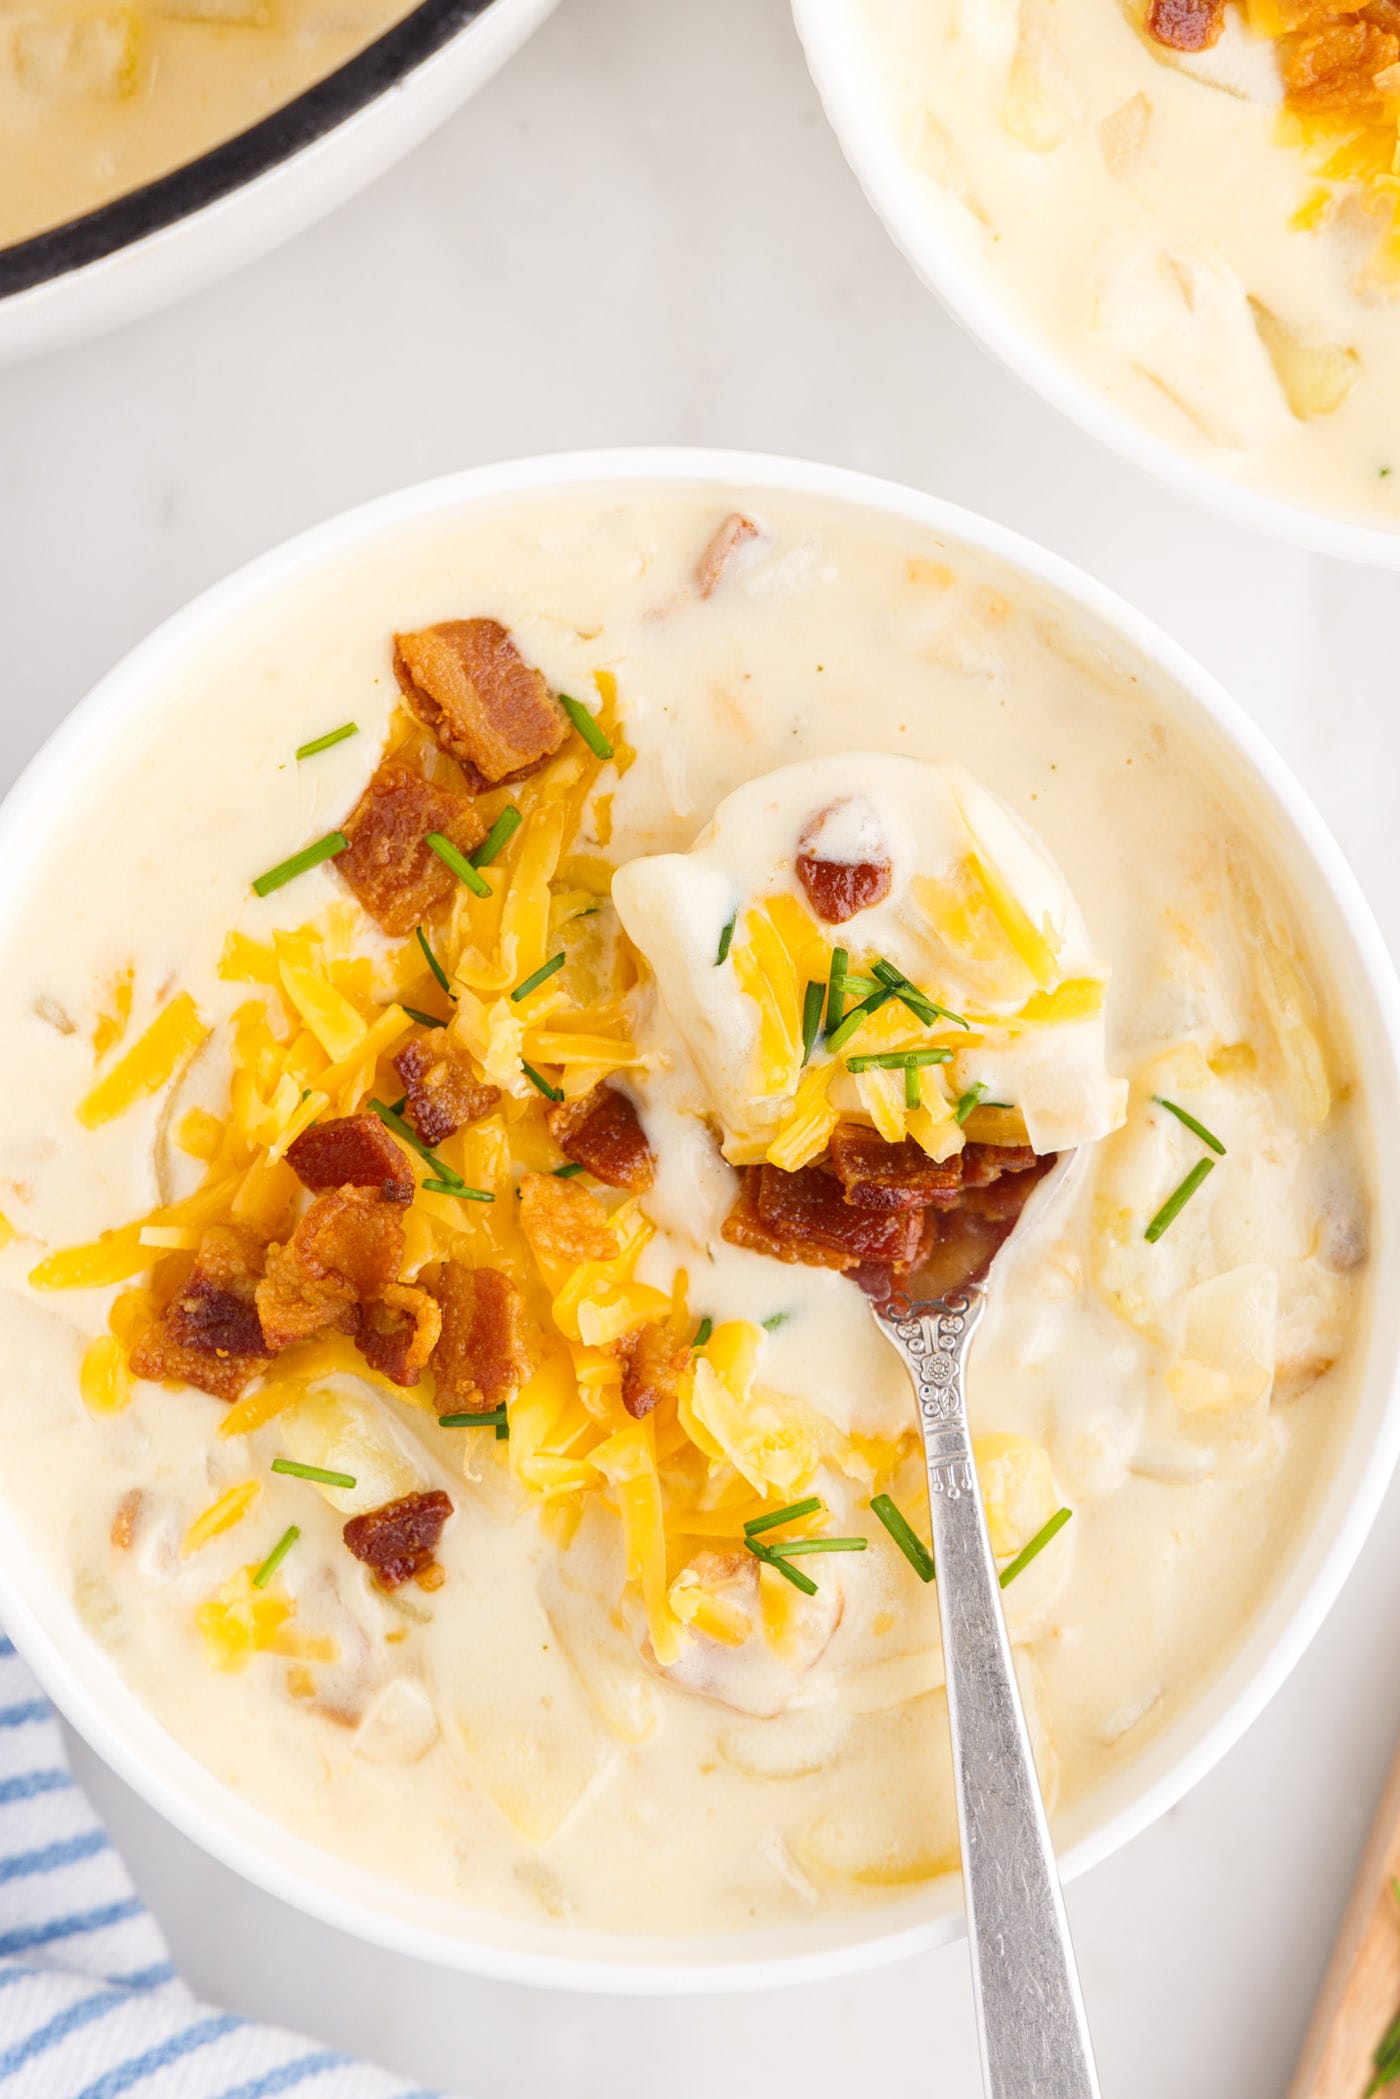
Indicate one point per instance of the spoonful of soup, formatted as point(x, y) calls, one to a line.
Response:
point(893, 1006)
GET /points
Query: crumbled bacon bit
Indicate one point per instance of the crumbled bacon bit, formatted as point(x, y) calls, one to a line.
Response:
point(879, 1176)
point(837, 889)
point(984, 1163)
point(564, 1222)
point(399, 1540)
point(601, 1131)
point(345, 1252)
point(208, 1334)
point(394, 874)
point(805, 1217)
point(351, 1151)
point(398, 1332)
point(481, 1358)
point(124, 1521)
point(652, 1366)
point(442, 1094)
point(1186, 25)
point(467, 681)
point(723, 545)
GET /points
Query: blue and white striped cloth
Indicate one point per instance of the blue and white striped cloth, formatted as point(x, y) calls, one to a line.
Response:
point(90, 2006)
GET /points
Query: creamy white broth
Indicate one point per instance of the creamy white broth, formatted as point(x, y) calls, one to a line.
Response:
point(537, 1765)
point(1130, 238)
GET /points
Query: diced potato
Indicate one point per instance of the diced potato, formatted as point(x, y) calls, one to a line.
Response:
point(531, 1740)
point(1288, 1000)
point(791, 1745)
point(1018, 1488)
point(1226, 1364)
point(341, 1431)
point(1316, 375)
point(891, 1834)
point(1123, 132)
point(86, 55)
point(1038, 107)
point(400, 1726)
point(602, 1656)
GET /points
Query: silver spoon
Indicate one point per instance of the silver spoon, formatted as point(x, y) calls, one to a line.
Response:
point(1030, 2013)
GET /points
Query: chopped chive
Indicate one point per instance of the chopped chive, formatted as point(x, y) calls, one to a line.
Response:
point(770, 1558)
point(856, 1018)
point(460, 1190)
point(1037, 1544)
point(897, 1060)
point(587, 726)
point(967, 1102)
point(812, 1001)
point(492, 1420)
point(790, 1514)
point(566, 1173)
point(313, 1472)
point(540, 1083)
point(917, 1001)
point(290, 1535)
point(774, 1320)
point(905, 1537)
point(424, 1020)
point(860, 986)
point(913, 1086)
point(1197, 1129)
point(323, 743)
point(393, 1120)
point(725, 938)
point(310, 856)
point(797, 1545)
point(533, 982)
point(836, 990)
point(504, 829)
point(458, 862)
point(432, 961)
point(399, 1105)
point(1176, 1202)
point(703, 1333)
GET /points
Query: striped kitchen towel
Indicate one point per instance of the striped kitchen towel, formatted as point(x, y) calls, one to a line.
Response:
point(90, 2006)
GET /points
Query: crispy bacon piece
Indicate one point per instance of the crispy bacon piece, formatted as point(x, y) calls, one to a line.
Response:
point(399, 1540)
point(481, 1357)
point(394, 874)
point(984, 1163)
point(355, 1151)
point(398, 1332)
point(879, 1176)
point(1334, 68)
point(805, 1217)
point(345, 1252)
point(601, 1131)
point(467, 681)
point(652, 1366)
point(208, 1334)
point(564, 1222)
point(837, 889)
point(441, 1092)
point(959, 1243)
point(723, 545)
point(1186, 25)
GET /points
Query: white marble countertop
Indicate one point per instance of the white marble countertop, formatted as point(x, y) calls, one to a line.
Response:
point(643, 231)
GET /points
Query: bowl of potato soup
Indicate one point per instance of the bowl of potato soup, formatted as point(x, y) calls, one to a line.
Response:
point(145, 149)
point(493, 992)
point(1172, 218)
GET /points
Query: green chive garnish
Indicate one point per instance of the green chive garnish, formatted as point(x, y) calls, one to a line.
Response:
point(460, 1190)
point(967, 1102)
point(310, 856)
point(313, 1472)
point(913, 1086)
point(587, 726)
point(533, 983)
point(770, 1558)
point(897, 1060)
point(919, 1002)
point(323, 743)
point(432, 961)
point(424, 1020)
point(393, 1120)
point(790, 1514)
point(541, 1083)
point(1176, 1202)
point(703, 1333)
point(798, 1545)
point(725, 938)
point(1197, 1129)
point(836, 990)
point(566, 1173)
point(812, 1000)
point(858, 986)
point(504, 829)
point(1037, 1544)
point(458, 862)
point(856, 1018)
point(290, 1535)
point(905, 1537)
point(494, 1419)
point(774, 1320)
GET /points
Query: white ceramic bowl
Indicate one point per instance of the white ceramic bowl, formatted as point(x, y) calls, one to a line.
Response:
point(841, 68)
point(241, 198)
point(81, 1677)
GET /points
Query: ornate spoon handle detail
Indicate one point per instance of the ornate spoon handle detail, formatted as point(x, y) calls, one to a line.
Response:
point(1035, 2038)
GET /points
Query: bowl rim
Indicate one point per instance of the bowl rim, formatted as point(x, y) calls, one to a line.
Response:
point(86, 1687)
point(827, 34)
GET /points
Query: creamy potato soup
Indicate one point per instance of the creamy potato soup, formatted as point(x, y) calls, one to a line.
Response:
point(1189, 205)
point(95, 100)
point(473, 1061)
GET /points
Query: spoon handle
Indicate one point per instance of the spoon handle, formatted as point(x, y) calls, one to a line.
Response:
point(1030, 2014)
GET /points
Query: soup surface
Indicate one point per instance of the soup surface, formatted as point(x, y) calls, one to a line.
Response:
point(96, 100)
point(544, 1298)
point(1204, 236)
